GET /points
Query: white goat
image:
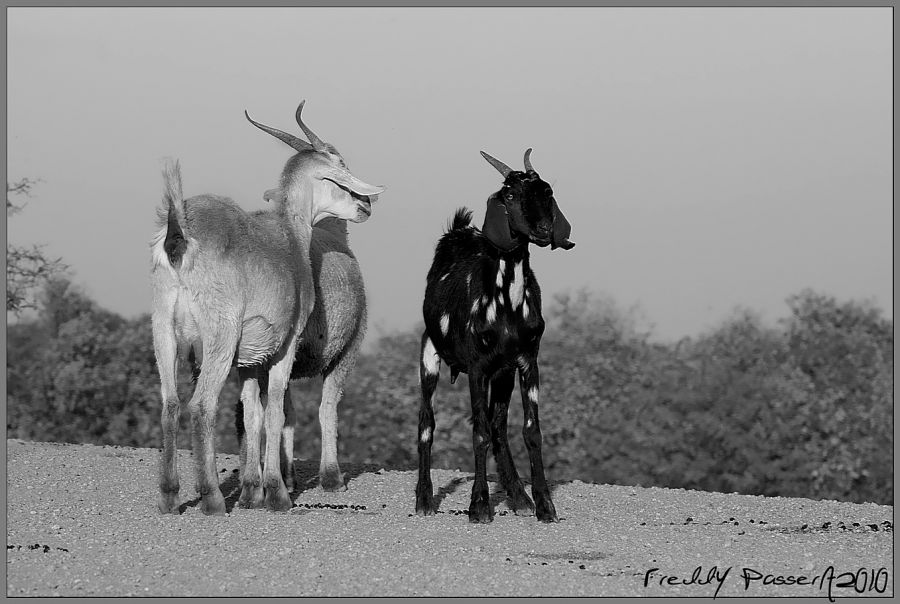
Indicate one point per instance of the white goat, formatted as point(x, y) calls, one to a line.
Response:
point(237, 288)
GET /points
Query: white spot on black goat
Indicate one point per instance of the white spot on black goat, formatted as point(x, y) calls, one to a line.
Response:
point(444, 277)
point(525, 311)
point(426, 435)
point(445, 323)
point(533, 395)
point(517, 287)
point(491, 312)
point(500, 272)
point(527, 424)
point(430, 358)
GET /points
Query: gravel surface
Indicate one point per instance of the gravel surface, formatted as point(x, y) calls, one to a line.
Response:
point(82, 521)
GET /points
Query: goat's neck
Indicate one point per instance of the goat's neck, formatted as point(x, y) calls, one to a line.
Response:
point(336, 226)
point(297, 209)
point(513, 256)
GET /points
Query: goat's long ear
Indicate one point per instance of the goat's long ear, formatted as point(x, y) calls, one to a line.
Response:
point(496, 225)
point(348, 181)
point(273, 194)
point(561, 230)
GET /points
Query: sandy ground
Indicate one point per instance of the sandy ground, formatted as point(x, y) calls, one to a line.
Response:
point(82, 521)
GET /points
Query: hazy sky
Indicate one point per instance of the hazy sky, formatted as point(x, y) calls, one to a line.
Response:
point(707, 158)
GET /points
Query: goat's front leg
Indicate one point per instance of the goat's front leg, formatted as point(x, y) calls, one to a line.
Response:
point(276, 494)
point(501, 391)
point(529, 384)
point(330, 476)
point(429, 371)
point(480, 505)
point(250, 475)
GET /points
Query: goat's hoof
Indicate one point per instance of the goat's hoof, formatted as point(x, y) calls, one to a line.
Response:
point(168, 503)
point(480, 512)
point(521, 504)
point(212, 503)
point(288, 478)
point(278, 499)
point(424, 506)
point(333, 481)
point(424, 499)
point(546, 511)
point(251, 497)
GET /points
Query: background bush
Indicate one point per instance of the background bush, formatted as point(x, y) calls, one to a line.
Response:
point(803, 408)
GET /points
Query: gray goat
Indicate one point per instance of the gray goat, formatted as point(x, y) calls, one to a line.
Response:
point(328, 347)
point(231, 287)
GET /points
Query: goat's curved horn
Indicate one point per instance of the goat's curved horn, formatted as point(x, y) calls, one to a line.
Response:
point(499, 165)
point(298, 144)
point(528, 166)
point(317, 142)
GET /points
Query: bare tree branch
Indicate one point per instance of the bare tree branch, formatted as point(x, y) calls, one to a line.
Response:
point(27, 268)
point(21, 187)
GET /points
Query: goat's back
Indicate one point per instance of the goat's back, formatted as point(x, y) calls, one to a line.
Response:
point(481, 305)
point(237, 268)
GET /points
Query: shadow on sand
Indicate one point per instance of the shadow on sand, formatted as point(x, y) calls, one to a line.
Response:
point(498, 493)
point(306, 477)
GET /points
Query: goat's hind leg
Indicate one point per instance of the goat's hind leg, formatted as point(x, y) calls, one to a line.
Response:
point(501, 391)
point(480, 509)
point(287, 441)
point(429, 371)
point(251, 425)
point(203, 406)
point(166, 350)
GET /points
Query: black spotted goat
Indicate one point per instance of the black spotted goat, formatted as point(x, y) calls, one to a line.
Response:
point(482, 313)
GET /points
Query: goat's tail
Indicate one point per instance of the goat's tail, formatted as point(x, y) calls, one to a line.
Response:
point(173, 209)
point(173, 201)
point(461, 219)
